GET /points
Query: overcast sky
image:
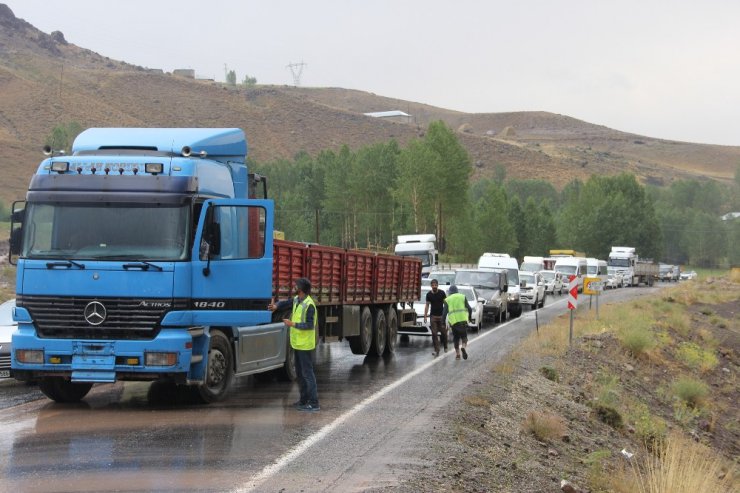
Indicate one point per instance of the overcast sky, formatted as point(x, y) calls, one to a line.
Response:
point(661, 68)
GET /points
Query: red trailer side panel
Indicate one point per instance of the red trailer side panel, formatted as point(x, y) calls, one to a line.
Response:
point(288, 264)
point(358, 270)
point(324, 270)
point(410, 279)
point(387, 278)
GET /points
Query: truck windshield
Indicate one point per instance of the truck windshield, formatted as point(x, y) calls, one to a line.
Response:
point(121, 232)
point(619, 262)
point(423, 256)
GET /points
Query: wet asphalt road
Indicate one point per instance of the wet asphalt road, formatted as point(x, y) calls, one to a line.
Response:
point(132, 437)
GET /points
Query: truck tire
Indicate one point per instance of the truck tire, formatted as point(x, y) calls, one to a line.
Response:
point(380, 332)
point(361, 344)
point(219, 369)
point(542, 303)
point(391, 319)
point(60, 389)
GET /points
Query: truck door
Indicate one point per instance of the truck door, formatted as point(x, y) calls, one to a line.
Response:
point(232, 278)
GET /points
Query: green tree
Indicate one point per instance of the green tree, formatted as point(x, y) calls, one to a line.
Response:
point(231, 78)
point(492, 219)
point(248, 81)
point(62, 136)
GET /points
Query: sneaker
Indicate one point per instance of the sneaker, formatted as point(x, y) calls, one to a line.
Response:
point(446, 349)
point(298, 404)
point(435, 353)
point(465, 353)
point(309, 408)
point(457, 356)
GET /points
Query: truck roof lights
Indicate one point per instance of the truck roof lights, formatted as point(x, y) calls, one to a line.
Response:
point(60, 167)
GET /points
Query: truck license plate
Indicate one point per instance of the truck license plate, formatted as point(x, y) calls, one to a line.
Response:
point(4, 373)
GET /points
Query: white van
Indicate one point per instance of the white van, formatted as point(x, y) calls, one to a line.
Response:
point(505, 261)
point(597, 268)
point(533, 264)
point(572, 266)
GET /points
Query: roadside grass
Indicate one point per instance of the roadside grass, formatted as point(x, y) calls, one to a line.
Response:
point(653, 332)
point(7, 282)
point(678, 465)
point(4, 230)
point(546, 427)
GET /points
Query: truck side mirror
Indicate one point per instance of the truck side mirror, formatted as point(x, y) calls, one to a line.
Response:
point(15, 241)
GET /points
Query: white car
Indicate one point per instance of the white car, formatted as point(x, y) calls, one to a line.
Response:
point(613, 281)
point(553, 281)
point(443, 277)
point(685, 276)
point(7, 327)
point(532, 289)
point(476, 304)
point(421, 328)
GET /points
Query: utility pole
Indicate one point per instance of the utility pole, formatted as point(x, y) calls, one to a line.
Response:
point(296, 69)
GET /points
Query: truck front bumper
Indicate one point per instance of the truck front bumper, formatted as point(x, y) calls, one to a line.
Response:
point(168, 355)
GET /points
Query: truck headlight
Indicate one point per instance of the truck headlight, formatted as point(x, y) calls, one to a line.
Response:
point(30, 356)
point(514, 297)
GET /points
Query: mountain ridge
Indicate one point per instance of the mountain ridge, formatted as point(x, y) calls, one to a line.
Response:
point(47, 81)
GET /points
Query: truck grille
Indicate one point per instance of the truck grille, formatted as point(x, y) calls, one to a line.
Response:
point(125, 318)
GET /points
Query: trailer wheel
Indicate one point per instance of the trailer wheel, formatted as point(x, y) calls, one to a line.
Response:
point(380, 333)
point(361, 344)
point(60, 389)
point(392, 321)
point(219, 369)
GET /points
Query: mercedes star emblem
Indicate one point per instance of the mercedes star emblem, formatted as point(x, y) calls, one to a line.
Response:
point(95, 313)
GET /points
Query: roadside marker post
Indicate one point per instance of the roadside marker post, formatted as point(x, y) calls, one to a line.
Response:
point(572, 303)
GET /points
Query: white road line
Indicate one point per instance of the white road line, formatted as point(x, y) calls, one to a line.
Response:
point(272, 469)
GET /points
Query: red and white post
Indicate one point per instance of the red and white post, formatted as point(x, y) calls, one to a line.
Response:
point(572, 303)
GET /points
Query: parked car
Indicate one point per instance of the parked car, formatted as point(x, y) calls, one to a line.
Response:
point(532, 289)
point(476, 303)
point(553, 281)
point(688, 275)
point(7, 327)
point(443, 277)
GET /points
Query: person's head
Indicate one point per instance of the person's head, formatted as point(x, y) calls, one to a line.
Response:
point(452, 290)
point(435, 285)
point(303, 285)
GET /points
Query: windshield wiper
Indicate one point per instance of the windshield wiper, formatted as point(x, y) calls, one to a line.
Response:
point(143, 265)
point(64, 263)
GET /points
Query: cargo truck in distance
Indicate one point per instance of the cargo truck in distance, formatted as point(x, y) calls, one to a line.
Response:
point(634, 271)
point(146, 255)
point(423, 247)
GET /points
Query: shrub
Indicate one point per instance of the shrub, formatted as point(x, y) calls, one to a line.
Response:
point(690, 390)
point(549, 373)
point(697, 358)
point(680, 465)
point(608, 415)
point(476, 400)
point(543, 426)
point(648, 428)
point(637, 340)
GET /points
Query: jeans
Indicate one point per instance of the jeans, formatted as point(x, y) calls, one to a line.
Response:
point(306, 378)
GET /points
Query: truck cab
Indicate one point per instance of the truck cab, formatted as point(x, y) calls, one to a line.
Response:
point(422, 246)
point(132, 256)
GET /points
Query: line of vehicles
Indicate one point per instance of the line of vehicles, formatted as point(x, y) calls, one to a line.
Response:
point(151, 254)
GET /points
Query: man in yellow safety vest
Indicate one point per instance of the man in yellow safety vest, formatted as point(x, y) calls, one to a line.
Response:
point(458, 312)
point(302, 325)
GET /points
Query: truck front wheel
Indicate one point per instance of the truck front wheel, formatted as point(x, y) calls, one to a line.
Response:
point(220, 370)
point(60, 389)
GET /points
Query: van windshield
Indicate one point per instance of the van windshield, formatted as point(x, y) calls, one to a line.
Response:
point(531, 266)
point(566, 269)
point(478, 278)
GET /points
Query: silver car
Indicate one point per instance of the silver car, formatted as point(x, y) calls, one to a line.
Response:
point(7, 327)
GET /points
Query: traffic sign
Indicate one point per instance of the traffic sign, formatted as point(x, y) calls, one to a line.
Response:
point(592, 285)
point(572, 292)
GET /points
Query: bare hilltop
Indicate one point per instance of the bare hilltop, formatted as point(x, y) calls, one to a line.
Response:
point(46, 81)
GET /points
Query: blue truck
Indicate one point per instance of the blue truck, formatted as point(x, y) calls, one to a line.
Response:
point(147, 254)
